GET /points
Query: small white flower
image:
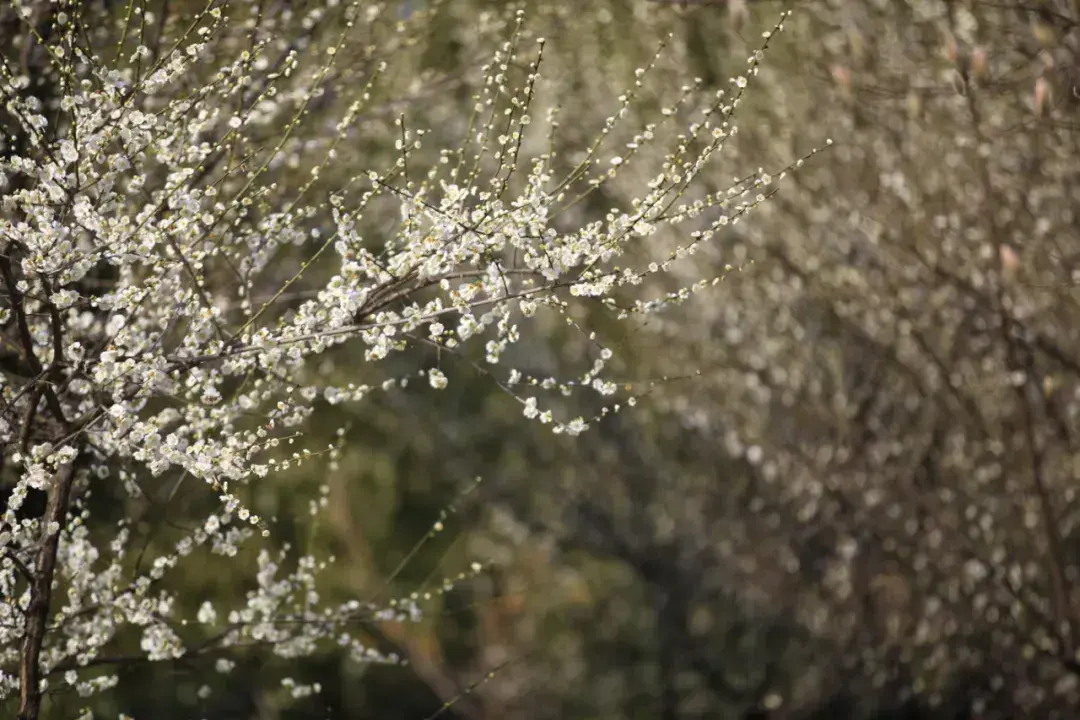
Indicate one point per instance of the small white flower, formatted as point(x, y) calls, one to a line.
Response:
point(68, 151)
point(437, 379)
point(206, 615)
point(754, 454)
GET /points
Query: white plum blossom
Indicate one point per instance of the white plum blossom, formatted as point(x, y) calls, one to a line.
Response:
point(437, 379)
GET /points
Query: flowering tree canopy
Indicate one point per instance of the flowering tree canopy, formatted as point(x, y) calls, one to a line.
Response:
point(187, 231)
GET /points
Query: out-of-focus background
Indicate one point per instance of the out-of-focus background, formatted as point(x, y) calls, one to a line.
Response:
point(860, 503)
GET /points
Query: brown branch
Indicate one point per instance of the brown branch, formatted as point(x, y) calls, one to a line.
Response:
point(210, 645)
point(30, 675)
point(59, 497)
point(1022, 360)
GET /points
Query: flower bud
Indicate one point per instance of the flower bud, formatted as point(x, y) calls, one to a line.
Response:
point(951, 49)
point(1041, 100)
point(979, 64)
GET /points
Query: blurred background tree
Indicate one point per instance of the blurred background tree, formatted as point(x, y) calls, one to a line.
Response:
point(867, 500)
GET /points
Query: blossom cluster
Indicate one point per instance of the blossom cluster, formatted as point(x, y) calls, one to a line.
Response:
point(183, 244)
